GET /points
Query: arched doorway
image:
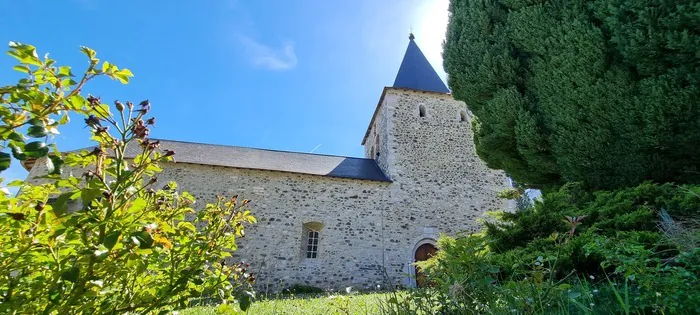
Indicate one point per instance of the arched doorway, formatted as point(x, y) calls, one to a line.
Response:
point(423, 253)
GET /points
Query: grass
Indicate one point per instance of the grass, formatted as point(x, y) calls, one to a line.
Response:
point(325, 304)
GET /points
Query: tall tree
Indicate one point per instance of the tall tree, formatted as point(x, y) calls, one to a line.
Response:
point(604, 92)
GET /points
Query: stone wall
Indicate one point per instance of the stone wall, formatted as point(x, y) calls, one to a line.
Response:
point(350, 244)
point(439, 183)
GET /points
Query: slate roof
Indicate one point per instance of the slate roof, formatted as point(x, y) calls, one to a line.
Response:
point(416, 72)
point(270, 160)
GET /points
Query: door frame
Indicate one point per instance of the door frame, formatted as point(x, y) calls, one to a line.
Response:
point(411, 281)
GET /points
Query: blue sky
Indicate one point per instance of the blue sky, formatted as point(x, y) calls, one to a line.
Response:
point(285, 75)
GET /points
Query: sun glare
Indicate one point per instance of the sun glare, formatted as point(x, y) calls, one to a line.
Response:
point(431, 17)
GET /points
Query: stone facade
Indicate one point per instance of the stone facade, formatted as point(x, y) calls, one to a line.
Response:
point(439, 184)
point(349, 212)
point(368, 230)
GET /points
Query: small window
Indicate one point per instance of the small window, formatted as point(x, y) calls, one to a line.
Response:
point(310, 240)
point(376, 143)
point(421, 111)
point(463, 116)
point(371, 153)
point(312, 245)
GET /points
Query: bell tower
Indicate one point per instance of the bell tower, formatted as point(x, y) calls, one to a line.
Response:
point(422, 139)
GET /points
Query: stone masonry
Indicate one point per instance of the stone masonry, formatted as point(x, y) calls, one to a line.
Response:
point(439, 184)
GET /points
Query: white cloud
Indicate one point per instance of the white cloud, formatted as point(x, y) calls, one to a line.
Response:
point(267, 57)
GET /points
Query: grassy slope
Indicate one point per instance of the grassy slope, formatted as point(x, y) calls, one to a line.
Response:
point(326, 305)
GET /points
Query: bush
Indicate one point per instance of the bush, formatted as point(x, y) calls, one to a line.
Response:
point(606, 212)
point(611, 258)
point(128, 248)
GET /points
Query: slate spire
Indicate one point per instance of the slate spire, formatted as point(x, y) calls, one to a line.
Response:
point(416, 73)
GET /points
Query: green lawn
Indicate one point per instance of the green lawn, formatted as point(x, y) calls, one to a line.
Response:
point(326, 305)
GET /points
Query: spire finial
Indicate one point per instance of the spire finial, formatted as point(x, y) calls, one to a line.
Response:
point(410, 36)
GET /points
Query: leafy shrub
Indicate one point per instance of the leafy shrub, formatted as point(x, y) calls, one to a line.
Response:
point(607, 212)
point(608, 256)
point(128, 248)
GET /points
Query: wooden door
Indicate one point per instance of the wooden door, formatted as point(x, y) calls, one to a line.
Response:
point(423, 252)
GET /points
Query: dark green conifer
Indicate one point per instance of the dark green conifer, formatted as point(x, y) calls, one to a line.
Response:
point(605, 92)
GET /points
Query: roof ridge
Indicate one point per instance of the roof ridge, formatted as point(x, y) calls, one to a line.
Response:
point(261, 149)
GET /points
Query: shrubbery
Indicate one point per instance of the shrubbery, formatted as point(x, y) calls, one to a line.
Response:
point(126, 247)
point(531, 261)
point(596, 92)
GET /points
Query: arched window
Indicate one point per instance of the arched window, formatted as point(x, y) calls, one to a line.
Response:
point(463, 116)
point(421, 111)
point(310, 239)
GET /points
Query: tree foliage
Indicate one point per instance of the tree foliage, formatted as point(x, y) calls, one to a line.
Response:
point(34, 108)
point(127, 247)
point(602, 92)
point(572, 252)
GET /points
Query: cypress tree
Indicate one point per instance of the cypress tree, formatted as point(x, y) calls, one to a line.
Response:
point(604, 92)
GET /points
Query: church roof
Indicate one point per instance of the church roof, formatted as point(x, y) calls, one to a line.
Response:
point(270, 160)
point(416, 72)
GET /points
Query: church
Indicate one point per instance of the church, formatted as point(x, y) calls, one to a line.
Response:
point(333, 221)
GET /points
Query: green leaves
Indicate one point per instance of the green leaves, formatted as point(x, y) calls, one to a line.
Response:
point(71, 274)
point(36, 149)
point(36, 122)
point(142, 239)
point(187, 226)
point(60, 206)
point(24, 53)
point(245, 299)
point(122, 75)
point(64, 71)
point(111, 239)
point(37, 131)
point(107, 67)
point(5, 160)
point(29, 107)
point(101, 238)
point(91, 54)
point(54, 165)
point(22, 68)
point(18, 153)
point(88, 194)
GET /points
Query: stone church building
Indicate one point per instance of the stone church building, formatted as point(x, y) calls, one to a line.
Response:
point(334, 221)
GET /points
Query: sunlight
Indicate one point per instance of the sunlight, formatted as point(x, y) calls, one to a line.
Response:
point(431, 24)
